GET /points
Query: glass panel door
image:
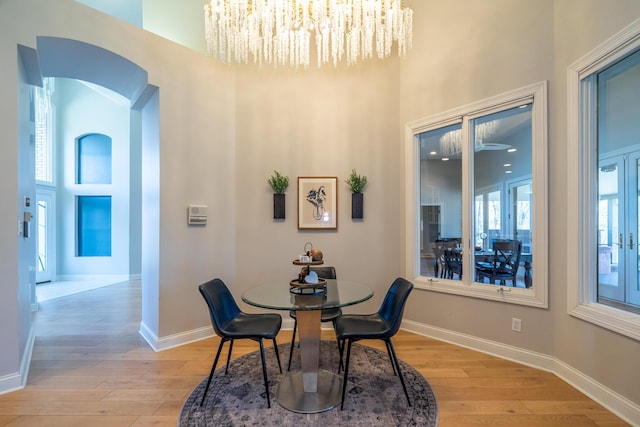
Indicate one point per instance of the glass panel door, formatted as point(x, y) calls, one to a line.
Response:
point(45, 235)
point(611, 260)
point(618, 228)
point(632, 290)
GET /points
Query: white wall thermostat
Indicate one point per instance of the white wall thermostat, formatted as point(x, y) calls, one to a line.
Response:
point(197, 215)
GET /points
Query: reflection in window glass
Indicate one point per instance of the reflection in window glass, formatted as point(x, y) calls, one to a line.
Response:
point(502, 220)
point(440, 200)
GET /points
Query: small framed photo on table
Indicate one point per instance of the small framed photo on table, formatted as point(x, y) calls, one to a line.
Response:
point(317, 202)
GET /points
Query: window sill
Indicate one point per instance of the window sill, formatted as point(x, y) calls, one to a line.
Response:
point(613, 319)
point(506, 294)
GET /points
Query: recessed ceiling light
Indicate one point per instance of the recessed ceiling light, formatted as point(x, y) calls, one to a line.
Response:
point(506, 165)
point(511, 150)
point(507, 171)
point(445, 159)
point(433, 153)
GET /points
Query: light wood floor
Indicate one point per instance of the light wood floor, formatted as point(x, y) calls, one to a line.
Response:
point(91, 368)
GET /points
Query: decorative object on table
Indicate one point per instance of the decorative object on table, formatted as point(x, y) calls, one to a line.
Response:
point(279, 184)
point(284, 32)
point(308, 281)
point(317, 202)
point(240, 400)
point(356, 183)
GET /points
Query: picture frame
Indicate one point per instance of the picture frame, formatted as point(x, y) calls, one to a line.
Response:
point(317, 202)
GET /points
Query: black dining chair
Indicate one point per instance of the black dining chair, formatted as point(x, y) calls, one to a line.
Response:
point(504, 263)
point(231, 324)
point(327, 315)
point(381, 326)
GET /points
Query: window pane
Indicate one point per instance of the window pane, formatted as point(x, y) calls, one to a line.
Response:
point(94, 225)
point(42, 262)
point(440, 198)
point(94, 159)
point(618, 89)
point(522, 194)
point(502, 144)
point(43, 111)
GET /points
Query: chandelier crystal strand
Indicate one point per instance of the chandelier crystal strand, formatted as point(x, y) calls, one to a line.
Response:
point(279, 32)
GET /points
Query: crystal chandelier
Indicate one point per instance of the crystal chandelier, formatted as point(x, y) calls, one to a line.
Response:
point(279, 32)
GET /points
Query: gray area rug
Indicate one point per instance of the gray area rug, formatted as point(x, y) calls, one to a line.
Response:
point(374, 394)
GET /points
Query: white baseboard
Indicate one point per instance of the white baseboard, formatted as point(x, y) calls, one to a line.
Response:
point(18, 380)
point(619, 405)
point(176, 340)
point(11, 382)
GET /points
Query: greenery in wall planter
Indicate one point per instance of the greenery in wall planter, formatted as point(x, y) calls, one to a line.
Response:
point(356, 184)
point(279, 184)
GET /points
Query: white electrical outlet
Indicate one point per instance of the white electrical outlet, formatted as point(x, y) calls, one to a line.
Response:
point(516, 325)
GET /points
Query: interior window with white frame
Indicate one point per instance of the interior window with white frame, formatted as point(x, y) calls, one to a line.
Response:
point(604, 274)
point(477, 200)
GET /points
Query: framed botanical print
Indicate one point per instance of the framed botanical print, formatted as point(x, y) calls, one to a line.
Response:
point(317, 202)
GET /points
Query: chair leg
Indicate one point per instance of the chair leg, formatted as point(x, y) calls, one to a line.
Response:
point(393, 365)
point(395, 359)
point(226, 369)
point(264, 373)
point(275, 347)
point(293, 340)
point(341, 350)
point(340, 364)
point(213, 368)
point(346, 373)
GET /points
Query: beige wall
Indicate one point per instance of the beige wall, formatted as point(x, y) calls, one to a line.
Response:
point(319, 123)
point(223, 130)
point(463, 52)
point(580, 26)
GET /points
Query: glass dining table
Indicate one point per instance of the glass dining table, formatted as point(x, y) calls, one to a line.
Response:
point(310, 390)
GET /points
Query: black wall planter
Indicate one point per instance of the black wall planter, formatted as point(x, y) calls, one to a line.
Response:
point(278, 206)
point(357, 205)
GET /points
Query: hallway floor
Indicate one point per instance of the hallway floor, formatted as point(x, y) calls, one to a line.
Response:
point(51, 290)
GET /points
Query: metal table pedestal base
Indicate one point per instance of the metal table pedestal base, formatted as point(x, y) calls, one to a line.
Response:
point(291, 395)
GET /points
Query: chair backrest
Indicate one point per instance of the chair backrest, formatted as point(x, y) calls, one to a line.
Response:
point(222, 305)
point(506, 258)
point(392, 308)
point(453, 260)
point(325, 272)
point(440, 245)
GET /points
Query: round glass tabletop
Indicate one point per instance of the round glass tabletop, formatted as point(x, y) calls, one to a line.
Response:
point(277, 296)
